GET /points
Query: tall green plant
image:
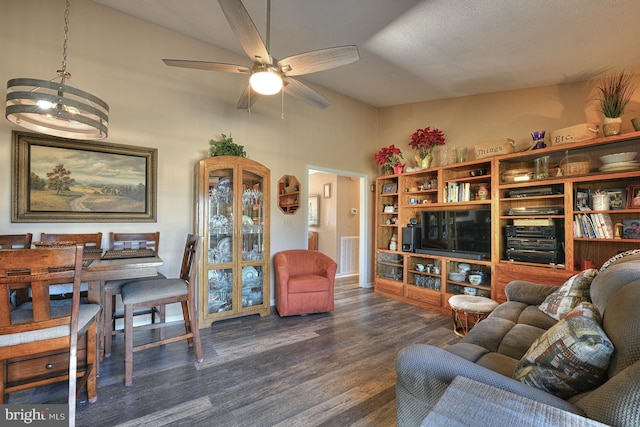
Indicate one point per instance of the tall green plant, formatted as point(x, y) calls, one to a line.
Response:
point(226, 147)
point(615, 93)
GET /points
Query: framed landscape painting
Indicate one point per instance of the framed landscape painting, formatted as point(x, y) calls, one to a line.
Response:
point(64, 180)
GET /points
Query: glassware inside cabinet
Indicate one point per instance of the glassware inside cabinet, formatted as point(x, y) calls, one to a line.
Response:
point(220, 290)
point(252, 286)
point(220, 216)
point(425, 273)
point(252, 217)
point(389, 266)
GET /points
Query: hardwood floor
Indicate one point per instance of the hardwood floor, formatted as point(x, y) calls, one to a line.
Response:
point(332, 369)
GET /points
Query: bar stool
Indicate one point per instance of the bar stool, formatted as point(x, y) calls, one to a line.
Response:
point(467, 310)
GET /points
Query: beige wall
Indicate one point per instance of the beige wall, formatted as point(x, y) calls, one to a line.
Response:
point(514, 114)
point(118, 58)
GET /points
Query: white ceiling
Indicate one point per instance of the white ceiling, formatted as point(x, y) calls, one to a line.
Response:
point(420, 50)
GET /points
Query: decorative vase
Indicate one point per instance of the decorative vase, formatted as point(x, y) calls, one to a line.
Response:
point(612, 126)
point(425, 163)
point(398, 169)
point(483, 191)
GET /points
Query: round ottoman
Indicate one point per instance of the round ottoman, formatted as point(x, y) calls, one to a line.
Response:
point(468, 310)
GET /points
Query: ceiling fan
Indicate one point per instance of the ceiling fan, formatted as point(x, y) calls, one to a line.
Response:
point(269, 75)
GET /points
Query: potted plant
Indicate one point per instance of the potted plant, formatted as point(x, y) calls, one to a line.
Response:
point(423, 141)
point(389, 158)
point(226, 147)
point(615, 92)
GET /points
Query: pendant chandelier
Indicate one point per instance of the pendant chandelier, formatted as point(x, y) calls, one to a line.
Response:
point(53, 108)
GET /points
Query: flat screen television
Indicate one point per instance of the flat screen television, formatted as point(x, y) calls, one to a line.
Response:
point(464, 234)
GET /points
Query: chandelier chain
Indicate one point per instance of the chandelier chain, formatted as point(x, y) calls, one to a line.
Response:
point(63, 72)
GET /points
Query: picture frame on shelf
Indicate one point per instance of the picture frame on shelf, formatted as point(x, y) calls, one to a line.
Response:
point(617, 198)
point(389, 188)
point(582, 199)
point(633, 199)
point(631, 229)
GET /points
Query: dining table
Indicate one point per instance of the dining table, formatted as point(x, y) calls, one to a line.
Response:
point(98, 271)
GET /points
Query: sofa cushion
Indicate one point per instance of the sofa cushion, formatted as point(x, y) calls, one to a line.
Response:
point(569, 358)
point(621, 322)
point(510, 310)
point(471, 352)
point(610, 281)
point(532, 316)
point(527, 292)
point(571, 293)
point(518, 340)
point(489, 332)
point(499, 363)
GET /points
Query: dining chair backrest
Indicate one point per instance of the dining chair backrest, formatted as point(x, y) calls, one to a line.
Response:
point(15, 241)
point(90, 241)
point(119, 241)
point(40, 329)
point(38, 269)
point(189, 267)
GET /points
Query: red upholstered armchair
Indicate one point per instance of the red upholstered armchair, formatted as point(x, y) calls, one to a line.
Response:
point(304, 282)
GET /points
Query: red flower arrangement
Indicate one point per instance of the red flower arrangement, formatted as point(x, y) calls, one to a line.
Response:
point(423, 140)
point(388, 157)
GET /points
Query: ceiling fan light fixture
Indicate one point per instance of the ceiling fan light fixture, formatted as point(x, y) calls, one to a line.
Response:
point(266, 82)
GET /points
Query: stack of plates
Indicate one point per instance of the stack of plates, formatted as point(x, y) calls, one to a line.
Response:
point(621, 166)
point(619, 162)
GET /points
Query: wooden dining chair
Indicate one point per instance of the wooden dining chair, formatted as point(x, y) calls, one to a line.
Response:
point(16, 241)
point(92, 242)
point(44, 342)
point(121, 241)
point(151, 293)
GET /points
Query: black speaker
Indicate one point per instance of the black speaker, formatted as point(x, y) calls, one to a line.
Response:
point(411, 239)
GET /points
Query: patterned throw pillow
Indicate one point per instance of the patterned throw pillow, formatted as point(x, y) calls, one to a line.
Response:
point(618, 257)
point(574, 291)
point(569, 358)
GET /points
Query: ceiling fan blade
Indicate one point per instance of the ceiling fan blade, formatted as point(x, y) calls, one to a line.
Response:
point(245, 30)
point(303, 92)
point(210, 66)
point(318, 60)
point(247, 99)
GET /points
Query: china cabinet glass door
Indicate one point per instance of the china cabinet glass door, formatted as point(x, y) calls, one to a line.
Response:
point(252, 239)
point(220, 250)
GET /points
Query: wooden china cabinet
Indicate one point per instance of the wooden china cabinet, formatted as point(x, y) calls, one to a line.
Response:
point(232, 215)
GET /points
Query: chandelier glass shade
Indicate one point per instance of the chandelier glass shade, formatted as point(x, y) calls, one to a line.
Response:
point(266, 82)
point(54, 108)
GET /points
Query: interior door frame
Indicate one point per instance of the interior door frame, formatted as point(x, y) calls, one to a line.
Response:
point(363, 185)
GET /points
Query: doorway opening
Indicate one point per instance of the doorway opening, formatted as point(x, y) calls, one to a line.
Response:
point(336, 226)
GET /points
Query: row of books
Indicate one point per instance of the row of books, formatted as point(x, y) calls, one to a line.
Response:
point(459, 192)
point(593, 226)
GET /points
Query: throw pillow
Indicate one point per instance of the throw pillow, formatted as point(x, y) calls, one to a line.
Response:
point(618, 257)
point(571, 357)
point(571, 293)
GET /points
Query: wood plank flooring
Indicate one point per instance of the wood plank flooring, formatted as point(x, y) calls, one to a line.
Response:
point(331, 369)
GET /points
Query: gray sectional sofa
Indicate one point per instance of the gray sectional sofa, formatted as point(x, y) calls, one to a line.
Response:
point(492, 350)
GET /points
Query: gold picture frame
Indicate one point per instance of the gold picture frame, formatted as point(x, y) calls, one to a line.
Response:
point(63, 180)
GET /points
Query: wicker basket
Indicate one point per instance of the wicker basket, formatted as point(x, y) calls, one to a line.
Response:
point(575, 165)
